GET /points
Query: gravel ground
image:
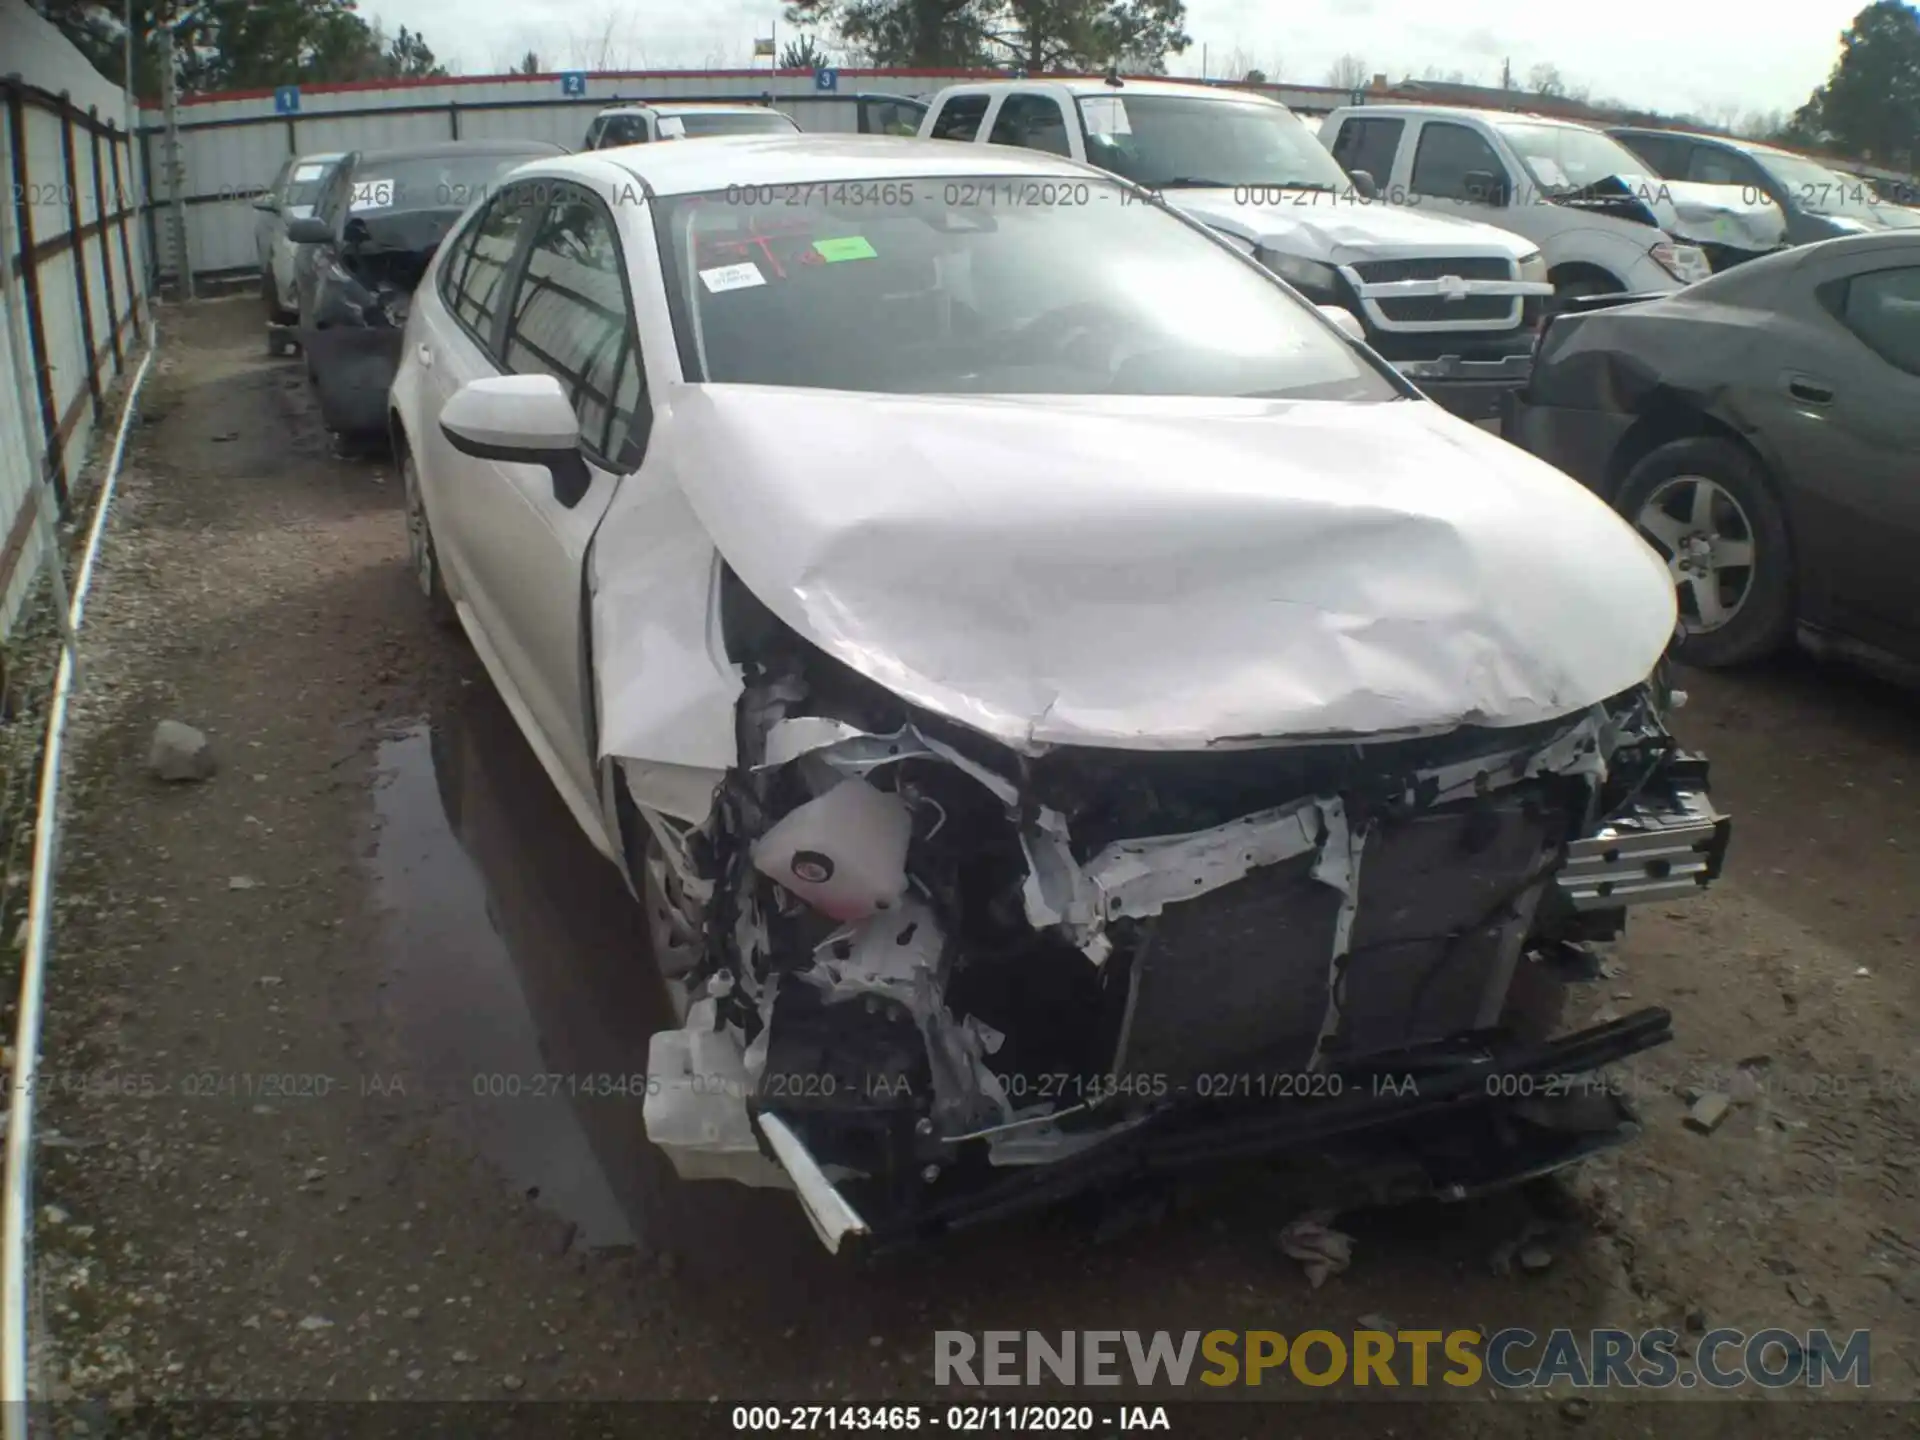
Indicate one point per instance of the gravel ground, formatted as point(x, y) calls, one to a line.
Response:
point(274, 1168)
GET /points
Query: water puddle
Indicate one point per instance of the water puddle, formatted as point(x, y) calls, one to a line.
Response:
point(481, 947)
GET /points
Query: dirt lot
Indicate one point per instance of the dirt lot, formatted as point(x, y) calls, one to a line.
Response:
point(290, 1006)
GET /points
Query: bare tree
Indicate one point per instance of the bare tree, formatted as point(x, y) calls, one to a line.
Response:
point(1544, 79)
point(1349, 72)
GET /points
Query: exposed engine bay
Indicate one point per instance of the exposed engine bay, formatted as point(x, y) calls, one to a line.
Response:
point(925, 978)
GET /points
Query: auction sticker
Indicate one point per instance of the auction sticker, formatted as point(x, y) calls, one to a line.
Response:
point(723, 278)
point(852, 247)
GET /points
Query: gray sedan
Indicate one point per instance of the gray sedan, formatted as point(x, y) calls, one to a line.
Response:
point(1760, 429)
point(295, 189)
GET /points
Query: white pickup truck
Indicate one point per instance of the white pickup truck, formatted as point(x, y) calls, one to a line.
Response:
point(1453, 304)
point(1605, 223)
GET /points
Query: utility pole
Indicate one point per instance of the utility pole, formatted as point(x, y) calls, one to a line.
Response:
point(1506, 74)
point(173, 162)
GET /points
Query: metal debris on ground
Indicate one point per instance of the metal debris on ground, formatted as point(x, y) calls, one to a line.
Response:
point(1320, 1250)
point(1706, 1113)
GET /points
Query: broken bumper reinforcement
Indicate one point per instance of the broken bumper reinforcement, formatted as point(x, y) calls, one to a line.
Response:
point(1464, 1122)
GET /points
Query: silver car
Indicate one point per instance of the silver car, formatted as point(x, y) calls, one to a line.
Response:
point(294, 190)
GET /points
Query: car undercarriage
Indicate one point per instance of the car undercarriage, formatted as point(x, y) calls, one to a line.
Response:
point(927, 980)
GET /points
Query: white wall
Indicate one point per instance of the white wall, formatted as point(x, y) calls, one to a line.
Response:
point(47, 195)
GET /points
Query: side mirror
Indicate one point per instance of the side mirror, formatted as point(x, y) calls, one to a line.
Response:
point(266, 202)
point(1363, 184)
point(1485, 188)
point(522, 420)
point(309, 230)
point(1345, 321)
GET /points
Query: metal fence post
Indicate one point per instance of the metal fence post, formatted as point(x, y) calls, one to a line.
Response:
point(77, 244)
point(100, 213)
point(175, 163)
point(54, 461)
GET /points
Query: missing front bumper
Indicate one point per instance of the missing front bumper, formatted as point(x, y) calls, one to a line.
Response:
point(1464, 1123)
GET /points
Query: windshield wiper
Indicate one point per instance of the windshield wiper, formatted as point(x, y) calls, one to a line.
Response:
point(1188, 182)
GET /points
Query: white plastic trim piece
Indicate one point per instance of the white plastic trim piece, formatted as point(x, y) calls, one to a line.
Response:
point(17, 1209)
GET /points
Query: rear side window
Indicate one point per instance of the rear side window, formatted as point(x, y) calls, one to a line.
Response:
point(959, 118)
point(480, 284)
point(1711, 165)
point(1368, 145)
point(623, 130)
point(1033, 122)
point(1447, 156)
point(571, 320)
point(1883, 309)
point(1664, 155)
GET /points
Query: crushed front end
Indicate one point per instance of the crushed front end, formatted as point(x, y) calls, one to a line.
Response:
point(926, 980)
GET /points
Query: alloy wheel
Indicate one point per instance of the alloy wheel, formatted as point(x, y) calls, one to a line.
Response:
point(1706, 537)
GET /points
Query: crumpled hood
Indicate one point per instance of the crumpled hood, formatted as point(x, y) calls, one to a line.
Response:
point(1340, 229)
point(1169, 573)
point(1711, 214)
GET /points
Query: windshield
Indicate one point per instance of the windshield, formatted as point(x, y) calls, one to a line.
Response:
point(427, 182)
point(1183, 140)
point(984, 285)
point(1562, 158)
point(693, 123)
point(1813, 187)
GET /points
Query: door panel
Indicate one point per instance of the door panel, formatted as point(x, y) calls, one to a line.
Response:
point(1850, 427)
point(570, 316)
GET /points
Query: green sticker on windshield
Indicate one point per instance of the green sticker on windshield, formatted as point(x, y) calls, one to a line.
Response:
point(853, 247)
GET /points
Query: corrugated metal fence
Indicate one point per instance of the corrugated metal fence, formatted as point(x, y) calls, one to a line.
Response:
point(231, 145)
point(71, 281)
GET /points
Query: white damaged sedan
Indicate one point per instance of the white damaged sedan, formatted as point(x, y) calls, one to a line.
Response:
point(1069, 712)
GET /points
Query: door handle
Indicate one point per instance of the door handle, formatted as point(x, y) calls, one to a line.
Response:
point(424, 355)
point(1812, 391)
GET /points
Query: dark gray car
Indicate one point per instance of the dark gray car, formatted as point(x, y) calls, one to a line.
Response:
point(375, 227)
point(1820, 203)
point(1762, 430)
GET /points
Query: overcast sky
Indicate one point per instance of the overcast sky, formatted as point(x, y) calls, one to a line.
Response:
point(1709, 56)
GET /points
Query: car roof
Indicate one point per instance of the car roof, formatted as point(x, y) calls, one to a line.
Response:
point(1093, 85)
point(323, 157)
point(717, 162)
point(1732, 142)
point(1492, 117)
point(460, 147)
point(688, 107)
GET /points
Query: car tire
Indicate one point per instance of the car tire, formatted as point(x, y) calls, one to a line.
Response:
point(422, 559)
point(1705, 503)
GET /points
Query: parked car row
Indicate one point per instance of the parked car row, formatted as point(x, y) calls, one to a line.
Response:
point(998, 639)
point(1007, 614)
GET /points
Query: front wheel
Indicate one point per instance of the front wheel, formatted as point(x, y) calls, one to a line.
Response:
point(1705, 505)
point(422, 559)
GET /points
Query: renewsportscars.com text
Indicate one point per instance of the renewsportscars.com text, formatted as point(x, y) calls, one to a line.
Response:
point(1512, 1358)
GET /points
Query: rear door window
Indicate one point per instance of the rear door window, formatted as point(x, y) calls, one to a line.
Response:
point(1882, 307)
point(1368, 144)
point(1033, 122)
point(1447, 156)
point(1716, 165)
point(960, 117)
point(480, 284)
point(1664, 155)
point(572, 320)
